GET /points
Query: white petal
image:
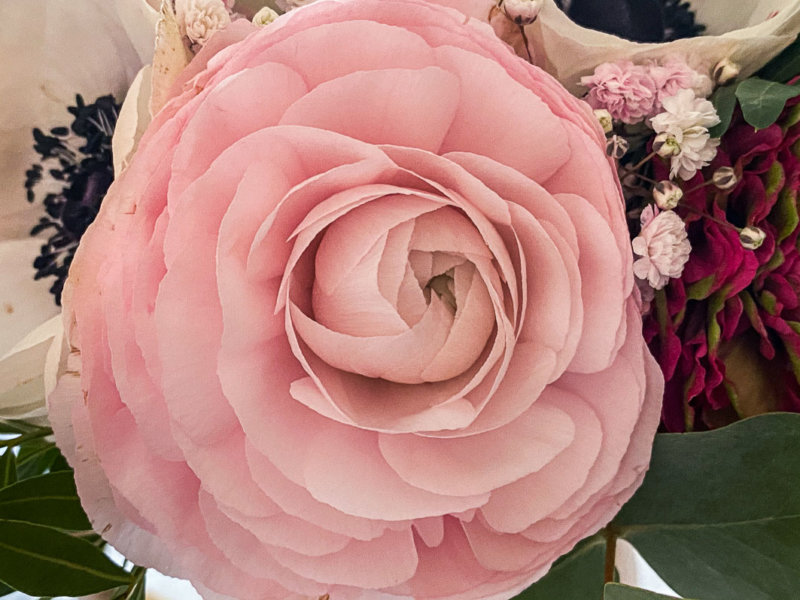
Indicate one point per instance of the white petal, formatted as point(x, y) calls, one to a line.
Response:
point(59, 49)
point(569, 51)
point(28, 371)
point(134, 117)
point(24, 303)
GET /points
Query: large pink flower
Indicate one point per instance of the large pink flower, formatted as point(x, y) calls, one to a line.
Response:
point(359, 316)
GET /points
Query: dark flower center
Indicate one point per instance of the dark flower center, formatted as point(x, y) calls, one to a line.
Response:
point(635, 20)
point(73, 174)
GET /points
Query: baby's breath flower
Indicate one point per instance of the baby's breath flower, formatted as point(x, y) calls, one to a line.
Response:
point(522, 12)
point(663, 246)
point(665, 145)
point(617, 146)
point(687, 118)
point(725, 71)
point(264, 16)
point(667, 195)
point(752, 237)
point(725, 178)
point(200, 19)
point(605, 119)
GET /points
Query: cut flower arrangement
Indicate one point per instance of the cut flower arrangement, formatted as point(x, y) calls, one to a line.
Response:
point(431, 299)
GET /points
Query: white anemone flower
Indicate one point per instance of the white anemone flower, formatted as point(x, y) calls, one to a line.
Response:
point(59, 49)
point(747, 33)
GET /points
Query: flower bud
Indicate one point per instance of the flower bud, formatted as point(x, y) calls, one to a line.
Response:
point(605, 119)
point(522, 12)
point(617, 147)
point(725, 71)
point(264, 16)
point(665, 145)
point(667, 195)
point(725, 178)
point(751, 237)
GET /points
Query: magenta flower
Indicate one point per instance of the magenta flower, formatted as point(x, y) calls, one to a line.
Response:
point(727, 333)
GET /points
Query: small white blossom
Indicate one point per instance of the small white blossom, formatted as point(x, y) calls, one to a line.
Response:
point(752, 237)
point(685, 110)
point(725, 178)
point(605, 119)
point(200, 19)
point(522, 12)
point(687, 118)
point(725, 71)
point(698, 149)
point(663, 246)
point(667, 195)
point(665, 145)
point(264, 16)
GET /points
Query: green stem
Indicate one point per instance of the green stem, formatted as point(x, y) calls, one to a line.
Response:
point(26, 437)
point(138, 581)
point(611, 550)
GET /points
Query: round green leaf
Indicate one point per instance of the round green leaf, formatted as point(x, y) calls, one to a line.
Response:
point(576, 576)
point(718, 514)
point(762, 101)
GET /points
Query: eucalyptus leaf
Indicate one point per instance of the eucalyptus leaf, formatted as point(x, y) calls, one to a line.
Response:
point(43, 561)
point(617, 591)
point(718, 514)
point(762, 101)
point(47, 500)
point(8, 468)
point(576, 576)
point(724, 100)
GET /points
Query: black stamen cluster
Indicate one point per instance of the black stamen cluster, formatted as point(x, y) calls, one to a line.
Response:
point(636, 20)
point(77, 160)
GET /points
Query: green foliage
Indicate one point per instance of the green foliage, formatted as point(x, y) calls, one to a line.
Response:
point(8, 468)
point(616, 591)
point(45, 561)
point(49, 499)
point(717, 517)
point(785, 66)
point(47, 547)
point(762, 101)
point(724, 101)
point(576, 576)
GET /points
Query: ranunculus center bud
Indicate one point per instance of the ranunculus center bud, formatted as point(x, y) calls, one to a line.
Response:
point(398, 283)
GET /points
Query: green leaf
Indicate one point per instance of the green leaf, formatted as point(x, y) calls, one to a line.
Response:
point(5, 590)
point(576, 576)
point(36, 458)
point(9, 426)
point(762, 101)
point(8, 468)
point(42, 561)
point(785, 66)
point(724, 100)
point(47, 500)
point(617, 591)
point(718, 514)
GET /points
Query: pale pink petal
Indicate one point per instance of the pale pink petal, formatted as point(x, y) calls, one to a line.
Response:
point(417, 106)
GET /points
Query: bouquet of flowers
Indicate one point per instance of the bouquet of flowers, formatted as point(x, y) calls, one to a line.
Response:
point(374, 299)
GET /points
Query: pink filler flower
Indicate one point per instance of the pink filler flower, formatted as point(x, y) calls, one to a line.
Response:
point(348, 324)
point(625, 90)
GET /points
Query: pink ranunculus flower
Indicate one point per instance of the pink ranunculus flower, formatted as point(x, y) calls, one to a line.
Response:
point(355, 320)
